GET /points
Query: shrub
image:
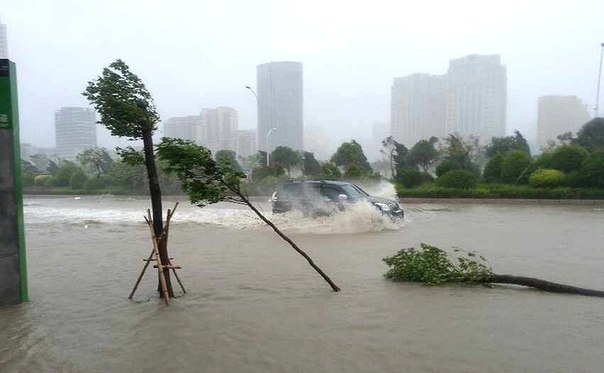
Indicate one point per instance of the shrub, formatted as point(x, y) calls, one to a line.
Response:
point(545, 178)
point(592, 170)
point(492, 171)
point(460, 179)
point(41, 180)
point(446, 166)
point(567, 158)
point(515, 167)
point(64, 174)
point(77, 179)
point(95, 183)
point(409, 177)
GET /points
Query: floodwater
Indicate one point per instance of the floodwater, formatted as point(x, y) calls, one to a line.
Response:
point(254, 305)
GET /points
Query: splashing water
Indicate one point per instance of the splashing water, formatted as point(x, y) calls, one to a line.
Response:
point(90, 212)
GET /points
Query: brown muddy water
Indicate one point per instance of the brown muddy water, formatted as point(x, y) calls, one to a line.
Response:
point(254, 305)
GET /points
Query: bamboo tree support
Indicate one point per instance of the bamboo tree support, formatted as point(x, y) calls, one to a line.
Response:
point(155, 253)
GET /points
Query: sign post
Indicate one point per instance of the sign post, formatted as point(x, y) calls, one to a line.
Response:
point(13, 273)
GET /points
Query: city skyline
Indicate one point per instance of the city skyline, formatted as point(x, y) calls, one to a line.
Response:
point(347, 70)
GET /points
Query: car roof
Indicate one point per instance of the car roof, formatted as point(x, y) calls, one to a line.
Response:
point(333, 182)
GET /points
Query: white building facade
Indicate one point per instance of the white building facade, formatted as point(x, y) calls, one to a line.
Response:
point(558, 115)
point(75, 131)
point(418, 107)
point(280, 105)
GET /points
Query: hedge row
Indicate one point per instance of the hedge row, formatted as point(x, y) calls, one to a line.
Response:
point(500, 191)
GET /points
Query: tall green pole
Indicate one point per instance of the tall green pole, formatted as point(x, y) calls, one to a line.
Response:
point(13, 273)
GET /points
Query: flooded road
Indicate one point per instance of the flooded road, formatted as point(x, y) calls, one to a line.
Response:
point(254, 305)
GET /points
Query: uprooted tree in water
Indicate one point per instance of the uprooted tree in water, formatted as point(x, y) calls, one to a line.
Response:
point(433, 266)
point(127, 110)
point(205, 180)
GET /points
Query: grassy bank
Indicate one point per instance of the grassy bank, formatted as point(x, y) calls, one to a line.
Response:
point(500, 191)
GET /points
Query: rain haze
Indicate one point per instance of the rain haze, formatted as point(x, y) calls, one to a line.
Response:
point(194, 55)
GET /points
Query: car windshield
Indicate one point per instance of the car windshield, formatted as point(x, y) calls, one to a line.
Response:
point(353, 191)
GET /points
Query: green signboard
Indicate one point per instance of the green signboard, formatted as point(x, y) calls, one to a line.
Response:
point(13, 274)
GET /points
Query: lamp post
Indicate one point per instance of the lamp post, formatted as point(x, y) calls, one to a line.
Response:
point(268, 146)
point(270, 131)
point(599, 78)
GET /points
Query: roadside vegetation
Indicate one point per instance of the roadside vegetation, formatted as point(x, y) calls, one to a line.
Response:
point(570, 168)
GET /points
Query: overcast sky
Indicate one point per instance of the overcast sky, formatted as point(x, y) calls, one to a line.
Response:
point(196, 54)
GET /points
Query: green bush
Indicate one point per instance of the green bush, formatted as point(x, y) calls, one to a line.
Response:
point(446, 166)
point(545, 178)
point(409, 177)
point(460, 179)
point(77, 179)
point(492, 171)
point(567, 158)
point(515, 167)
point(502, 191)
point(51, 182)
point(592, 170)
point(40, 180)
point(96, 183)
point(64, 174)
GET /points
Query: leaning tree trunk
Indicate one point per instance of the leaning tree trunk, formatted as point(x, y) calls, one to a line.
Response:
point(155, 192)
point(334, 287)
point(541, 285)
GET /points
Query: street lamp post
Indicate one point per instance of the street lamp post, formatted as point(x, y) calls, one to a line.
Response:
point(270, 131)
point(268, 146)
point(596, 109)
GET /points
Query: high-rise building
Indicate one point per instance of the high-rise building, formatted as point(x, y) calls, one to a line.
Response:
point(3, 41)
point(317, 141)
point(219, 128)
point(280, 105)
point(418, 107)
point(559, 114)
point(186, 128)
point(477, 97)
point(75, 130)
point(246, 143)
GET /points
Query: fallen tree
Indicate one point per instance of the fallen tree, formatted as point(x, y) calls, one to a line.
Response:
point(432, 266)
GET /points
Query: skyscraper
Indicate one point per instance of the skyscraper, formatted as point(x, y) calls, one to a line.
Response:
point(246, 143)
point(186, 128)
point(418, 106)
point(559, 114)
point(219, 126)
point(280, 105)
point(75, 130)
point(3, 41)
point(477, 96)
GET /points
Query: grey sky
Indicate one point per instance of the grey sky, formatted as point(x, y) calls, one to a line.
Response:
point(194, 54)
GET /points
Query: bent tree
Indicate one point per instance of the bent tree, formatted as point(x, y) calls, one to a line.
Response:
point(127, 110)
point(207, 181)
point(432, 266)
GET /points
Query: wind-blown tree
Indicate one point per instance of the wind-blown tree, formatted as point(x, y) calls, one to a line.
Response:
point(423, 154)
point(285, 157)
point(127, 110)
point(329, 170)
point(501, 145)
point(396, 153)
point(52, 168)
point(40, 161)
point(310, 166)
point(227, 158)
point(98, 159)
point(205, 181)
point(351, 153)
point(458, 155)
point(591, 135)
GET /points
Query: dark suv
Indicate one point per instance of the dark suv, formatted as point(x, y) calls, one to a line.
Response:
point(324, 197)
